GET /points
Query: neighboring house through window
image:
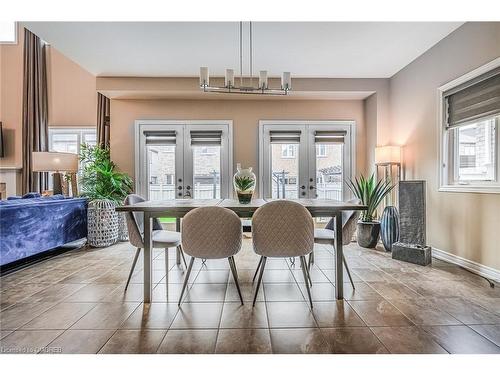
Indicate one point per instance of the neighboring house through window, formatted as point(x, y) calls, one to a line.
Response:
point(289, 151)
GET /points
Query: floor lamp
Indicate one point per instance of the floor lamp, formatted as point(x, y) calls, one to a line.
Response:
point(389, 159)
point(56, 162)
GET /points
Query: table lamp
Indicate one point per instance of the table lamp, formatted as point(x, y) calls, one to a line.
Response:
point(56, 162)
point(389, 157)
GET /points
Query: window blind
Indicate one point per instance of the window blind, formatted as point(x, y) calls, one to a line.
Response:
point(326, 136)
point(155, 137)
point(285, 136)
point(474, 100)
point(206, 137)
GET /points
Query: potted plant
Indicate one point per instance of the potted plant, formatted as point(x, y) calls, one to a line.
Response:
point(371, 193)
point(105, 187)
point(244, 184)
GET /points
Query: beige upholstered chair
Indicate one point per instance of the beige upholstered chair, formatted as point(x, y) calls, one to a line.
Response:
point(211, 233)
point(162, 239)
point(327, 235)
point(283, 229)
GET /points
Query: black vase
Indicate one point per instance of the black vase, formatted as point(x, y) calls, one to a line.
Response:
point(389, 227)
point(368, 233)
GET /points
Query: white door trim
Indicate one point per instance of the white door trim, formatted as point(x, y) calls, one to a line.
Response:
point(140, 147)
point(348, 125)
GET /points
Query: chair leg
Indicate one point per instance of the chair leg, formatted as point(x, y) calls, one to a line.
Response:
point(308, 273)
point(137, 252)
point(182, 255)
point(232, 265)
point(186, 279)
point(292, 261)
point(260, 279)
point(166, 270)
point(311, 258)
point(257, 270)
point(348, 271)
point(304, 272)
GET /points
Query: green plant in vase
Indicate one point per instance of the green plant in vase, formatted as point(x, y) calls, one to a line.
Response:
point(371, 193)
point(244, 184)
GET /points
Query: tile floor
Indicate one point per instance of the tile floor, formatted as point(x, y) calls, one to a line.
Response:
point(75, 303)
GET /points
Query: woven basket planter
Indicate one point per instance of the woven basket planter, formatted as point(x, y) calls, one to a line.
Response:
point(122, 227)
point(102, 224)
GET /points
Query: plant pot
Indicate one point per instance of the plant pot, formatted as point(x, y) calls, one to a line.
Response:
point(244, 198)
point(389, 227)
point(122, 227)
point(368, 233)
point(102, 222)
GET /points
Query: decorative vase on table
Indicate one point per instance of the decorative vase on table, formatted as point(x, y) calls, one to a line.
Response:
point(244, 184)
point(389, 227)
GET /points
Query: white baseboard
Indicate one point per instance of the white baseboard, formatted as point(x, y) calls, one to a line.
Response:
point(480, 269)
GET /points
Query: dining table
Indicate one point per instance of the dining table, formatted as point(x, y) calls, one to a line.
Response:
point(178, 208)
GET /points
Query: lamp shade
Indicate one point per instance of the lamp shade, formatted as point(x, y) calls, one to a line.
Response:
point(387, 155)
point(54, 162)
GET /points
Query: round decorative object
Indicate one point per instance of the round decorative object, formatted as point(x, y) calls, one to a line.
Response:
point(122, 227)
point(102, 221)
point(389, 227)
point(244, 184)
point(368, 233)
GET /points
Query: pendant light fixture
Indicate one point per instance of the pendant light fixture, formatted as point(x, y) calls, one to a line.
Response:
point(229, 79)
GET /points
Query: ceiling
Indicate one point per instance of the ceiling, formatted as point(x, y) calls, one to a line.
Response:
point(306, 49)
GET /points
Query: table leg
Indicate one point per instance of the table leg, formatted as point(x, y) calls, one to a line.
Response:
point(147, 258)
point(339, 253)
point(178, 250)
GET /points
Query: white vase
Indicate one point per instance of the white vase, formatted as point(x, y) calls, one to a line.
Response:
point(244, 182)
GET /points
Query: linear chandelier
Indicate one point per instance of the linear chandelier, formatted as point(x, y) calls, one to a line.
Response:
point(229, 81)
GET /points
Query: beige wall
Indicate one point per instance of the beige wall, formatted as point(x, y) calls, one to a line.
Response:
point(72, 96)
point(464, 224)
point(245, 116)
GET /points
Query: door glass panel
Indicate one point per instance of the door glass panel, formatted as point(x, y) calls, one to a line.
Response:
point(161, 172)
point(284, 170)
point(329, 170)
point(206, 172)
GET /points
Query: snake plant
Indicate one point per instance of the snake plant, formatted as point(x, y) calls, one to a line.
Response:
point(371, 193)
point(243, 183)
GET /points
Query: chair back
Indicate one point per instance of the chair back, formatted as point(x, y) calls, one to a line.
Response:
point(135, 221)
point(211, 233)
point(282, 229)
point(349, 221)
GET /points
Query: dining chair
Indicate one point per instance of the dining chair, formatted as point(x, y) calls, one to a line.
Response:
point(282, 229)
point(211, 233)
point(162, 239)
point(326, 235)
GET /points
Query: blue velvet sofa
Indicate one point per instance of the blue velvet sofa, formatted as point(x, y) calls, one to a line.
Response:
point(32, 225)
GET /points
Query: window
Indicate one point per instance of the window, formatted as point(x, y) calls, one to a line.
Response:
point(321, 150)
point(69, 140)
point(8, 32)
point(288, 151)
point(469, 157)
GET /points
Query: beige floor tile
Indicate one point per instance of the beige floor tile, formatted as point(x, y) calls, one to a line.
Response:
point(336, 314)
point(282, 292)
point(236, 315)
point(82, 341)
point(206, 293)
point(407, 340)
point(61, 316)
point(353, 340)
point(393, 290)
point(298, 341)
point(379, 313)
point(247, 291)
point(92, 293)
point(20, 314)
point(4, 333)
point(133, 342)
point(198, 315)
point(466, 311)
point(422, 312)
point(491, 332)
point(29, 342)
point(151, 316)
point(289, 315)
point(189, 342)
point(461, 340)
point(243, 341)
point(106, 316)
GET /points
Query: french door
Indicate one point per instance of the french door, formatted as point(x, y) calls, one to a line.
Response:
point(307, 159)
point(183, 159)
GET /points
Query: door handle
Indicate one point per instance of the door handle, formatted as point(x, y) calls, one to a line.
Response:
point(311, 187)
point(302, 187)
